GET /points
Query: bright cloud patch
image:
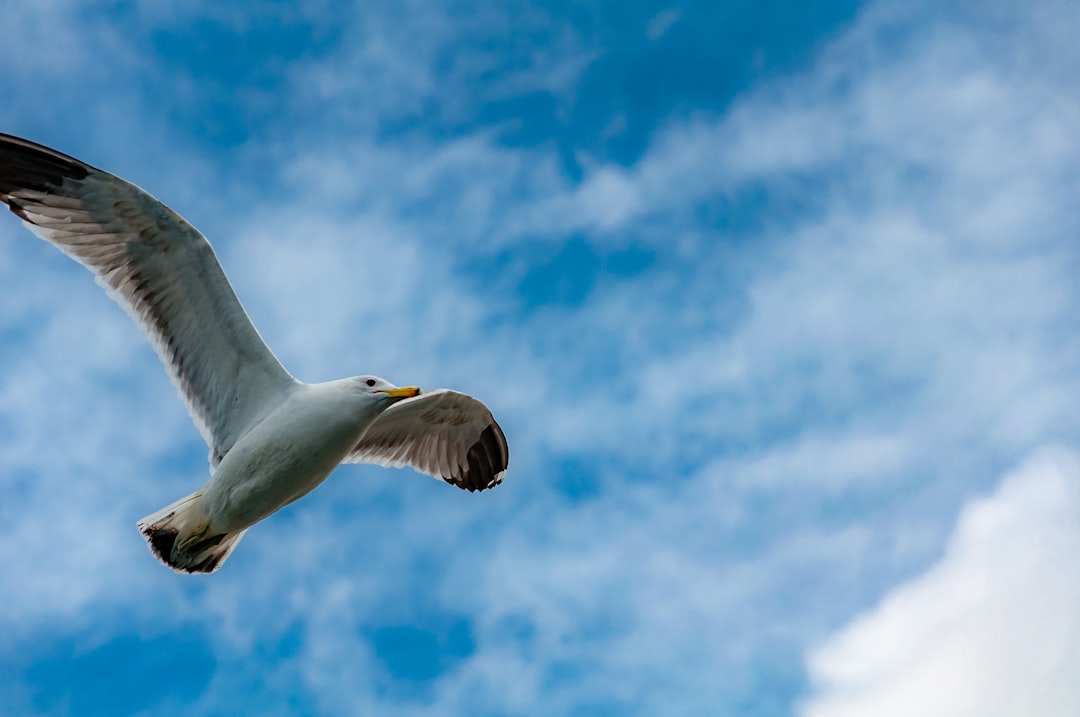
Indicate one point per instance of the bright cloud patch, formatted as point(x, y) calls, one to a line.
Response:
point(992, 630)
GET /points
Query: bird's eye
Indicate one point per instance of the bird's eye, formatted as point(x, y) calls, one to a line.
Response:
point(370, 382)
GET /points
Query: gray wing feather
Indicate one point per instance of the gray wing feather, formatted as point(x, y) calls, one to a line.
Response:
point(443, 433)
point(163, 272)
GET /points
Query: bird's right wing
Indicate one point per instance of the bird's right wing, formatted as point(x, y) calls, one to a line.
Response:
point(163, 272)
point(443, 433)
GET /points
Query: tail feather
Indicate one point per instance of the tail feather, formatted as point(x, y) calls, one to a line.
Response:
point(178, 535)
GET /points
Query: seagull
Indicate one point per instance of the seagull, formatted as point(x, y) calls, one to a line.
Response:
point(272, 438)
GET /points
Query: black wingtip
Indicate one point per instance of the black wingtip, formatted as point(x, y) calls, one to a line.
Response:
point(487, 460)
point(28, 165)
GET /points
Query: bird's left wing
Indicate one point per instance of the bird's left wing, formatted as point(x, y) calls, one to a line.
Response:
point(163, 272)
point(443, 433)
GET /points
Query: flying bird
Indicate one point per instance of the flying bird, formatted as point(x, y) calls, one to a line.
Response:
point(272, 438)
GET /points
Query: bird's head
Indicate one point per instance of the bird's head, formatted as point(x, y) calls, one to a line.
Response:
point(382, 389)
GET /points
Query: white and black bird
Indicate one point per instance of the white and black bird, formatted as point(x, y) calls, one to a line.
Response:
point(272, 438)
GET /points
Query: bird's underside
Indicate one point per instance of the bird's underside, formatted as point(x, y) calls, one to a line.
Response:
point(165, 274)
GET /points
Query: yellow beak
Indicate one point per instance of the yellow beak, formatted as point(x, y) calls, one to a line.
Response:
point(404, 392)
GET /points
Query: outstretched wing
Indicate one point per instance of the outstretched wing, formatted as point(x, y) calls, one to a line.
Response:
point(165, 275)
point(443, 433)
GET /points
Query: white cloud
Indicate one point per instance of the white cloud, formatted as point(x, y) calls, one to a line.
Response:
point(992, 630)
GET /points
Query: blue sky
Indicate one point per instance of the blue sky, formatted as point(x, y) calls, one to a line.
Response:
point(775, 301)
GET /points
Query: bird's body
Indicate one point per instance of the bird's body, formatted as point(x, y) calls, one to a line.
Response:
point(290, 452)
point(272, 438)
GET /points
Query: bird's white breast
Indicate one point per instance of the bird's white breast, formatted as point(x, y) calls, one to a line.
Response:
point(288, 454)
